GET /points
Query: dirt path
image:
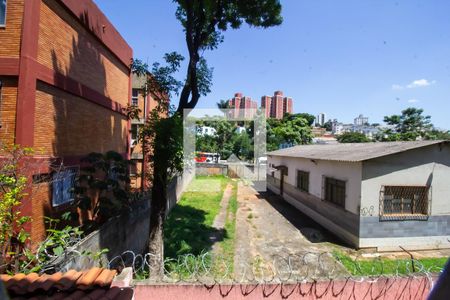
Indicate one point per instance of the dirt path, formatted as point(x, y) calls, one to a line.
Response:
point(265, 239)
point(221, 218)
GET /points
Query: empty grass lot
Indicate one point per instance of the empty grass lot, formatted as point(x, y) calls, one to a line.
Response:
point(189, 225)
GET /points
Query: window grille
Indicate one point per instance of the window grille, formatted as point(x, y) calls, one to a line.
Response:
point(303, 181)
point(335, 191)
point(63, 187)
point(404, 203)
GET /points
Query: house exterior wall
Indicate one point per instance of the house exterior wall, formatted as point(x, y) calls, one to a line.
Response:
point(10, 34)
point(67, 47)
point(424, 166)
point(65, 75)
point(343, 222)
point(8, 97)
point(66, 125)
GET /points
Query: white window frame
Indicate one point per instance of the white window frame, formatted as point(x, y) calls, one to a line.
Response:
point(135, 99)
point(6, 6)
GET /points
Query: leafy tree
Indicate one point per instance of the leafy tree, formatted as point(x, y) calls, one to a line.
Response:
point(290, 130)
point(308, 117)
point(353, 137)
point(206, 143)
point(204, 23)
point(223, 104)
point(328, 125)
point(408, 126)
point(436, 134)
point(13, 189)
point(103, 187)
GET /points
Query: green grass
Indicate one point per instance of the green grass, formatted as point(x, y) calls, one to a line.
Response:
point(189, 224)
point(227, 246)
point(384, 266)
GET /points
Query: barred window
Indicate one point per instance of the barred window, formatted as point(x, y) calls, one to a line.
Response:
point(303, 181)
point(335, 191)
point(63, 186)
point(2, 13)
point(404, 202)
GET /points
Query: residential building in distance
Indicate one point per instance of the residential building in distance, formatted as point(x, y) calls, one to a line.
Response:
point(277, 105)
point(321, 119)
point(146, 103)
point(242, 106)
point(361, 120)
point(339, 128)
point(206, 130)
point(371, 195)
point(65, 79)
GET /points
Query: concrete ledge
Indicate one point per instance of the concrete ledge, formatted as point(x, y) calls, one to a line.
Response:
point(408, 243)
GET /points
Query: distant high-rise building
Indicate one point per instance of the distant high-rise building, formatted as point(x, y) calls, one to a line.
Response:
point(361, 120)
point(321, 119)
point(277, 105)
point(242, 106)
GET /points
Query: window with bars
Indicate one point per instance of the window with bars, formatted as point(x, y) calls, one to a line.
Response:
point(303, 181)
point(404, 202)
point(2, 13)
point(135, 97)
point(63, 186)
point(334, 191)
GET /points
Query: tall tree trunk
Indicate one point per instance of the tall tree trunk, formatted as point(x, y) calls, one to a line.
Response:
point(157, 217)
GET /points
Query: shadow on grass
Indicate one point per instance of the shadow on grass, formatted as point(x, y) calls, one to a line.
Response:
point(186, 232)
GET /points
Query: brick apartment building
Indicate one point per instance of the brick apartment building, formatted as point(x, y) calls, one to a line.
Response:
point(64, 78)
point(277, 105)
point(145, 103)
point(239, 105)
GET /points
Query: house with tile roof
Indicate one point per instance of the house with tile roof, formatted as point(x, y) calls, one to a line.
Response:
point(371, 195)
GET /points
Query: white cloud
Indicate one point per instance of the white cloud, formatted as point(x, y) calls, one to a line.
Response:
point(414, 84)
point(413, 101)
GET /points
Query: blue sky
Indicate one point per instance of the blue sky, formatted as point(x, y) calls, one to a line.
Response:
point(374, 57)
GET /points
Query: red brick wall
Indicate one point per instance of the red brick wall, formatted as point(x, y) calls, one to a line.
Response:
point(66, 125)
point(67, 47)
point(8, 109)
point(10, 35)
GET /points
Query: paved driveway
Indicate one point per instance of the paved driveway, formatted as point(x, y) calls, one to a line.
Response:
point(274, 237)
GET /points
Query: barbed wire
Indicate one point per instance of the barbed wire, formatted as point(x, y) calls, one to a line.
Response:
point(207, 268)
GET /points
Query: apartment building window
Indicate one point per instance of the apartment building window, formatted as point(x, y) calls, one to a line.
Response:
point(2, 13)
point(134, 96)
point(63, 187)
point(303, 181)
point(404, 202)
point(334, 191)
point(134, 131)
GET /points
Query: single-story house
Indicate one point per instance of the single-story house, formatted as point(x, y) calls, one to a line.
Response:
point(371, 195)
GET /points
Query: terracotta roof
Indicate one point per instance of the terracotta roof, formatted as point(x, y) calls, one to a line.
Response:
point(351, 152)
point(90, 284)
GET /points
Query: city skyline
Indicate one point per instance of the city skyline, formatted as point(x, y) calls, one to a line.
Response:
point(334, 57)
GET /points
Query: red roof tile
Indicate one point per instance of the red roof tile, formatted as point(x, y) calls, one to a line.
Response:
point(90, 284)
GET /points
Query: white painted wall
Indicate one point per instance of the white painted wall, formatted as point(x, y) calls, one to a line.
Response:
point(427, 165)
point(349, 172)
